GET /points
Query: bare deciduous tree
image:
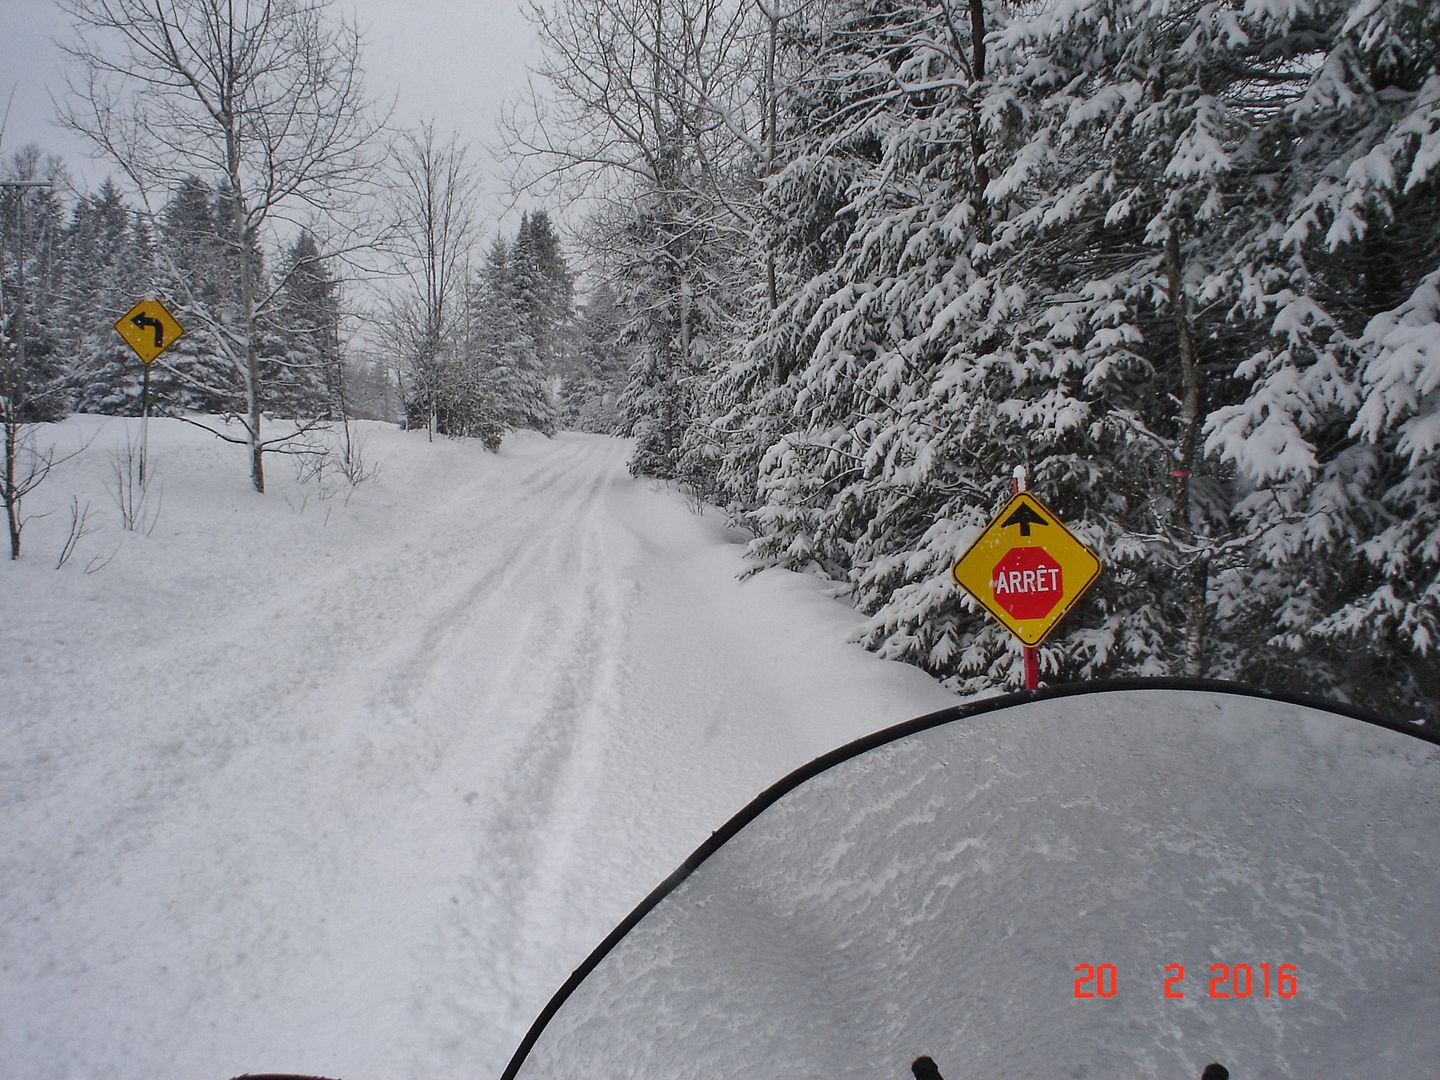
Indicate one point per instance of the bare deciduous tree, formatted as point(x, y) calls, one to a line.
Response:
point(264, 94)
point(657, 113)
point(642, 95)
point(433, 192)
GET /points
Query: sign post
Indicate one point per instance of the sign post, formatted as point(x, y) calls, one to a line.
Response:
point(149, 329)
point(1031, 652)
point(1027, 570)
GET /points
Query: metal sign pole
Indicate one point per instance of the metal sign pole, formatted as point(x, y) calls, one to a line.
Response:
point(149, 329)
point(144, 422)
point(1031, 652)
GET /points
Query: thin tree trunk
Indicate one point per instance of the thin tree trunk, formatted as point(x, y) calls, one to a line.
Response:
point(252, 407)
point(977, 137)
point(1197, 621)
point(12, 446)
point(11, 404)
point(243, 237)
point(772, 120)
point(1198, 577)
point(252, 360)
point(684, 326)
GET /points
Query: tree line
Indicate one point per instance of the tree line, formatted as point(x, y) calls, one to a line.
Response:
point(259, 182)
point(86, 257)
point(89, 259)
point(1182, 260)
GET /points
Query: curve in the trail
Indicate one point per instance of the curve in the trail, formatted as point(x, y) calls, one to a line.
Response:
point(938, 888)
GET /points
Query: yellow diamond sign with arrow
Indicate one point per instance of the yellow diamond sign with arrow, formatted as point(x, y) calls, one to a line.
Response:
point(149, 329)
point(1027, 569)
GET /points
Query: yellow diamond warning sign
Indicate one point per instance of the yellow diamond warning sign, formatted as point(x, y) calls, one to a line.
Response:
point(1027, 569)
point(149, 329)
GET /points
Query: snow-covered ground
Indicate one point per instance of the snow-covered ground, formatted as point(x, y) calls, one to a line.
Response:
point(348, 782)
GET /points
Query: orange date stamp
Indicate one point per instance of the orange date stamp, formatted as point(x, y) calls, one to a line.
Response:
point(1225, 981)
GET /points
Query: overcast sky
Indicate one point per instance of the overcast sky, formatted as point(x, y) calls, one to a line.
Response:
point(453, 60)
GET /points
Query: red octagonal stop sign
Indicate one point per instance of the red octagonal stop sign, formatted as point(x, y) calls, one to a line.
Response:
point(1027, 583)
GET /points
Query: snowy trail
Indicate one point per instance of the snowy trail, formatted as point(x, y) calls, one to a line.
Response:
point(353, 794)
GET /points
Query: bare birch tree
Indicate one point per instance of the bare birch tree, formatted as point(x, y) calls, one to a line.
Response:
point(266, 95)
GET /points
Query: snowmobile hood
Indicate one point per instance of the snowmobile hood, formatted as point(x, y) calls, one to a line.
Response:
point(1127, 879)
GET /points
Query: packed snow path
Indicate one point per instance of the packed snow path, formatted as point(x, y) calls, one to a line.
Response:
point(350, 787)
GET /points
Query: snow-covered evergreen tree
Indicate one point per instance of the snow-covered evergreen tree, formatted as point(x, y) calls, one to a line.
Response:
point(508, 385)
point(659, 402)
point(301, 371)
point(1338, 428)
point(542, 298)
point(590, 395)
point(108, 250)
point(34, 375)
point(194, 277)
point(885, 459)
point(655, 120)
point(1179, 259)
point(685, 274)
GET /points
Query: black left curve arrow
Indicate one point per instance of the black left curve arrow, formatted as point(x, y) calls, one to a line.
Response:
point(142, 321)
point(1024, 517)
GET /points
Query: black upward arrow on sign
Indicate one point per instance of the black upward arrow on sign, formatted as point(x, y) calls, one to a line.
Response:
point(1024, 517)
point(142, 321)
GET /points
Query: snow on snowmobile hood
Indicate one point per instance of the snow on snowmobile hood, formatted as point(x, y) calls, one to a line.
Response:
point(1125, 881)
